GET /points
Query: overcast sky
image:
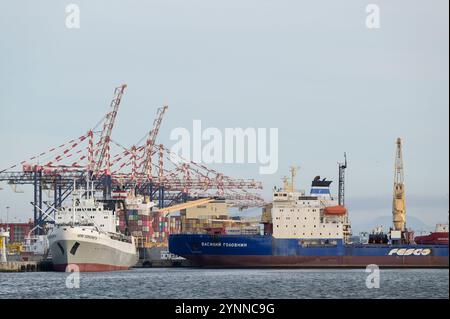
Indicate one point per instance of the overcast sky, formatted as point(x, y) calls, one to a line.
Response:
point(312, 69)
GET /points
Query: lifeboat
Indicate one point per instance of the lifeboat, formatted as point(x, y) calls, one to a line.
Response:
point(335, 210)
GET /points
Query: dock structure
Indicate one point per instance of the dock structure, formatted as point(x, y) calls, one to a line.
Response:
point(149, 263)
point(25, 266)
point(145, 168)
point(18, 266)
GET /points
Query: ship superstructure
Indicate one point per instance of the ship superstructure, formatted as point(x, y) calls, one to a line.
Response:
point(316, 216)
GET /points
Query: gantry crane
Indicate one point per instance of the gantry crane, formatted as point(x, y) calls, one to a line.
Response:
point(102, 154)
point(151, 141)
point(89, 157)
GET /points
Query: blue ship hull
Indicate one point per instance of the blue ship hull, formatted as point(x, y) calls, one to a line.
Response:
point(266, 251)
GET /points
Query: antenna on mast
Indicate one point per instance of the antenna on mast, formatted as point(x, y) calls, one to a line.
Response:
point(294, 170)
point(341, 191)
point(285, 183)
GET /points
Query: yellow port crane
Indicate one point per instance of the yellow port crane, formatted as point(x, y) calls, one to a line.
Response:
point(398, 202)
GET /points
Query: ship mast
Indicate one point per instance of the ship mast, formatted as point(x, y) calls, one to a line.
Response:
point(73, 202)
point(286, 185)
point(398, 202)
point(293, 170)
point(341, 191)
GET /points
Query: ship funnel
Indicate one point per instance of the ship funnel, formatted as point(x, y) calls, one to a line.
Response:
point(320, 187)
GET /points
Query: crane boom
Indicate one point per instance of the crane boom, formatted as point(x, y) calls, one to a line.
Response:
point(151, 140)
point(102, 154)
point(174, 208)
point(398, 202)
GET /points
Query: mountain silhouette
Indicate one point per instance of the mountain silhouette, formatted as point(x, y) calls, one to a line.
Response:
point(412, 223)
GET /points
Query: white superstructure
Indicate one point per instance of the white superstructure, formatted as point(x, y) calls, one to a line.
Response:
point(441, 228)
point(314, 216)
point(86, 210)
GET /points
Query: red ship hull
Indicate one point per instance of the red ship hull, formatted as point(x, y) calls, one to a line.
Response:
point(237, 261)
point(86, 267)
point(439, 238)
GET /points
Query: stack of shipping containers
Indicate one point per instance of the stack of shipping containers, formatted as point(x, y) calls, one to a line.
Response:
point(147, 225)
point(150, 227)
point(205, 224)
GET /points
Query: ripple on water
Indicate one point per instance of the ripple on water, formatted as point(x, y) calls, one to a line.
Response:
point(236, 283)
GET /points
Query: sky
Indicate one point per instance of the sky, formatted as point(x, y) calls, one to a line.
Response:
point(312, 69)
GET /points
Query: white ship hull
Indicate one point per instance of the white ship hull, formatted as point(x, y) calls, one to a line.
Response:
point(89, 250)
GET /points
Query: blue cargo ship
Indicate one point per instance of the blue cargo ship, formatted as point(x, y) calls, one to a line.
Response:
point(307, 231)
point(266, 251)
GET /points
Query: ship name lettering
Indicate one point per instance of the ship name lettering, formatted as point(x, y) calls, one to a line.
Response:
point(410, 252)
point(235, 244)
point(87, 236)
point(207, 244)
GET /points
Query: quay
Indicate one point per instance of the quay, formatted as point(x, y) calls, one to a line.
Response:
point(163, 263)
point(25, 266)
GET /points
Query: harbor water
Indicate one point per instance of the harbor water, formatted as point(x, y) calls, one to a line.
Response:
point(183, 283)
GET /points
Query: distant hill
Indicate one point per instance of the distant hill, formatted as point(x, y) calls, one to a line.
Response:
point(413, 223)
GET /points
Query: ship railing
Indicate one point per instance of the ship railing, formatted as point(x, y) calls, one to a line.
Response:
point(320, 245)
point(76, 224)
point(120, 237)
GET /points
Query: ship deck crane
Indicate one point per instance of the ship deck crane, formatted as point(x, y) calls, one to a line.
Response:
point(398, 201)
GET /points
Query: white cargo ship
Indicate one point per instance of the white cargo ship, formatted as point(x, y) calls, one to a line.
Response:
point(86, 236)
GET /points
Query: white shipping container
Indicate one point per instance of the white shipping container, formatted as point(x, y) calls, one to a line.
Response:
point(396, 234)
